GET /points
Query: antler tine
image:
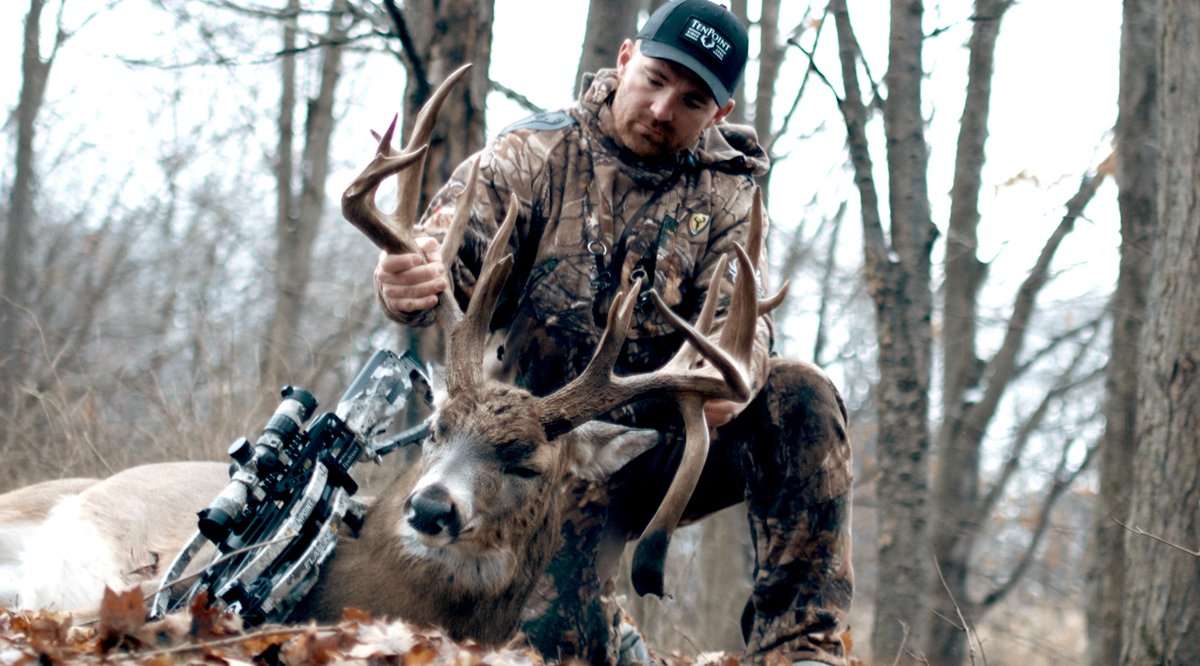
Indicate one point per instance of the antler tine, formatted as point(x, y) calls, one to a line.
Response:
point(649, 557)
point(410, 182)
point(704, 322)
point(754, 240)
point(394, 232)
point(595, 389)
point(731, 357)
point(449, 314)
point(733, 384)
point(689, 354)
point(464, 353)
point(771, 302)
point(738, 334)
point(358, 201)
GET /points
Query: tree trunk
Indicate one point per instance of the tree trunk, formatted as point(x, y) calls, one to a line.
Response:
point(275, 348)
point(1162, 607)
point(903, 306)
point(956, 486)
point(297, 234)
point(1137, 171)
point(897, 277)
point(608, 23)
point(13, 281)
point(770, 59)
point(448, 33)
point(740, 113)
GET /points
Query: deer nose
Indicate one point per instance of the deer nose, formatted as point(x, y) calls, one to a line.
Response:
point(431, 511)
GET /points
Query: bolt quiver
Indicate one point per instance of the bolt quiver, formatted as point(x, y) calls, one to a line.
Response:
point(290, 494)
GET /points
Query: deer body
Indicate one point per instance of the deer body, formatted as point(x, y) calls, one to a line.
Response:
point(72, 538)
point(64, 541)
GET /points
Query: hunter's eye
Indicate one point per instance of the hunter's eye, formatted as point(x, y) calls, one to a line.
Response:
point(522, 471)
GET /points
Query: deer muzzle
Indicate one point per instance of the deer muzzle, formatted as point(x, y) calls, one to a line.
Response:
point(431, 512)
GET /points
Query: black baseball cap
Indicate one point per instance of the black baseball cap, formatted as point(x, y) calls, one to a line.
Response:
point(702, 36)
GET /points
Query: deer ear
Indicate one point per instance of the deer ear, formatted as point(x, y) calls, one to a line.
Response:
point(598, 449)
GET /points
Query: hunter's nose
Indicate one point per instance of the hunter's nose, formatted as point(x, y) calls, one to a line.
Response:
point(431, 511)
point(662, 108)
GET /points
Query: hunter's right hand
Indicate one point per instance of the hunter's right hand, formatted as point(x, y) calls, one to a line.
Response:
point(411, 282)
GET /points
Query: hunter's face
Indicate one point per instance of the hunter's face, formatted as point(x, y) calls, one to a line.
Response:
point(660, 107)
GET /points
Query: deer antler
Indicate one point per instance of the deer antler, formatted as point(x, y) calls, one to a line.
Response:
point(727, 375)
point(394, 231)
point(464, 350)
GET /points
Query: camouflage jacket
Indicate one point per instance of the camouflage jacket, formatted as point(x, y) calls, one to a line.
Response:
point(591, 216)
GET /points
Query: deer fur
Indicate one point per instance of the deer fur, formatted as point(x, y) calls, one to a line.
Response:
point(64, 541)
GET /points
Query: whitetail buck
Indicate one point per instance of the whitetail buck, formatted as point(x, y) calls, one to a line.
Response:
point(461, 538)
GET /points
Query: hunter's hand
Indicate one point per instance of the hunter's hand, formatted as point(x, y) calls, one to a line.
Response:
point(411, 282)
point(719, 412)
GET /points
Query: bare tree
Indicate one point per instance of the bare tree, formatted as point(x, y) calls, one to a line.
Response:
point(1161, 613)
point(608, 23)
point(972, 388)
point(35, 72)
point(897, 276)
point(770, 60)
point(739, 114)
point(897, 266)
point(1136, 174)
point(298, 221)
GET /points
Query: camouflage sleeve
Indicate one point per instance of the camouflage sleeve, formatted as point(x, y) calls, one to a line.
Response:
point(732, 225)
point(504, 169)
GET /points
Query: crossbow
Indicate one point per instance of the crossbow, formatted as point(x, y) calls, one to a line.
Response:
point(290, 494)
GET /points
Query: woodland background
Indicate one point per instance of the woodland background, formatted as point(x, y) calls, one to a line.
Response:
point(1014, 322)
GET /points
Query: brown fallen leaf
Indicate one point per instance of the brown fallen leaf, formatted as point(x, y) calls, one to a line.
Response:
point(311, 647)
point(210, 622)
point(121, 615)
point(421, 654)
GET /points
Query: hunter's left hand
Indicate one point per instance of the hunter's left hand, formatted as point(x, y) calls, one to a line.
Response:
point(719, 412)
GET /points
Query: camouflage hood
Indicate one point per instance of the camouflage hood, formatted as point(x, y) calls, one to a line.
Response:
point(727, 147)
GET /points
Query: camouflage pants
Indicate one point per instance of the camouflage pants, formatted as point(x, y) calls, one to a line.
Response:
point(788, 457)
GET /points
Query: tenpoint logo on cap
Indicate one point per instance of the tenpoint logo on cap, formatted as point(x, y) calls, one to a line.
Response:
point(699, 32)
point(704, 37)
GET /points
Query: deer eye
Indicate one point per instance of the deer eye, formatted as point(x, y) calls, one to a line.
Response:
point(440, 430)
point(522, 471)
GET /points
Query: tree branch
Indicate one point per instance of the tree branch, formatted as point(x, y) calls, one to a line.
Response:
point(1002, 367)
point(855, 115)
point(964, 625)
point(1065, 384)
point(1140, 532)
point(515, 96)
point(416, 66)
point(827, 282)
point(1057, 341)
point(794, 40)
point(1057, 487)
point(960, 302)
point(221, 60)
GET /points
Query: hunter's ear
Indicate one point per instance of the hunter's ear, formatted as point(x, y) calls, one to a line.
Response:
point(599, 449)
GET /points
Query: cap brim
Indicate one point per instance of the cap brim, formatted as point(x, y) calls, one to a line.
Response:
point(674, 54)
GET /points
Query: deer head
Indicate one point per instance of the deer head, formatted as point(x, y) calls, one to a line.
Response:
point(481, 512)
